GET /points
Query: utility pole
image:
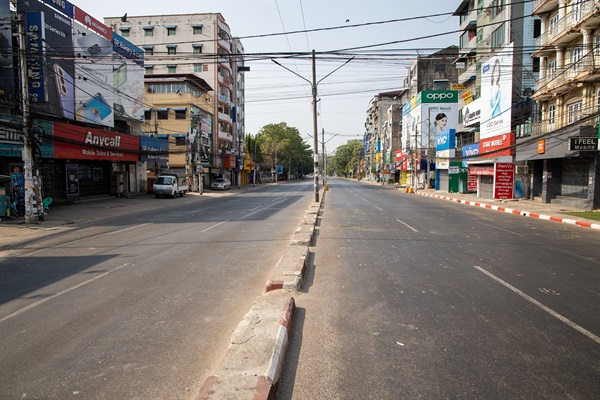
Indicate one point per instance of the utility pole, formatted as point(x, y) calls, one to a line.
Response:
point(324, 155)
point(313, 85)
point(31, 200)
point(315, 132)
point(254, 178)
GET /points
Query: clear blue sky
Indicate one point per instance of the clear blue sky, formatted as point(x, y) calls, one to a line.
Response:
point(275, 95)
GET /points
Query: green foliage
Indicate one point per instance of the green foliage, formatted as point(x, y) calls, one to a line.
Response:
point(346, 158)
point(282, 144)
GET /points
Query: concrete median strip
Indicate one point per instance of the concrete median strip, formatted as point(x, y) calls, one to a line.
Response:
point(289, 270)
point(255, 356)
point(303, 235)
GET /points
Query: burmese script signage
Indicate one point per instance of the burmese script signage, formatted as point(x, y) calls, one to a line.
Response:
point(504, 174)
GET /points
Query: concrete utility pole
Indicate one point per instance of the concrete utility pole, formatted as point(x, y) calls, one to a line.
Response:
point(31, 200)
point(313, 85)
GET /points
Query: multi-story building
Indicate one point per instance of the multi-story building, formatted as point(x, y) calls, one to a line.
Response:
point(496, 78)
point(561, 155)
point(199, 44)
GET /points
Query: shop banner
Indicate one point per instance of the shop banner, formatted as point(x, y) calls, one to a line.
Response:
point(496, 146)
point(76, 142)
point(154, 150)
point(504, 174)
point(468, 152)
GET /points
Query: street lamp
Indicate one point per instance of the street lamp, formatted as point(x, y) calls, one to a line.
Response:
point(313, 85)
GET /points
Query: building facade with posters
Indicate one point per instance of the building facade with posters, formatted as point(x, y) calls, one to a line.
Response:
point(86, 95)
point(560, 152)
point(496, 78)
point(202, 45)
point(428, 114)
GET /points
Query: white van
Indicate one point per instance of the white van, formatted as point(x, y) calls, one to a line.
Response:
point(170, 185)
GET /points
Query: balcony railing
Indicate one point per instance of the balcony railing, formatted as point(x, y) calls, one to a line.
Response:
point(586, 117)
point(571, 72)
point(567, 22)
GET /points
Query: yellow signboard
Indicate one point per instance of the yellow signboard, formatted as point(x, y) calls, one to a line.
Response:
point(458, 86)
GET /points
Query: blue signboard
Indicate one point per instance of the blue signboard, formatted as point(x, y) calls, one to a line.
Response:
point(445, 140)
point(63, 6)
point(154, 150)
point(469, 151)
point(34, 31)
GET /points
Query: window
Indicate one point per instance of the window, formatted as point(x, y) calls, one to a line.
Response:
point(577, 10)
point(197, 67)
point(171, 30)
point(172, 50)
point(497, 7)
point(171, 69)
point(480, 7)
point(148, 69)
point(147, 115)
point(197, 29)
point(464, 40)
point(551, 70)
point(551, 116)
point(439, 68)
point(574, 112)
point(148, 31)
point(498, 37)
point(553, 25)
point(197, 48)
point(180, 113)
point(162, 113)
point(148, 51)
point(479, 37)
point(124, 31)
point(574, 56)
point(180, 141)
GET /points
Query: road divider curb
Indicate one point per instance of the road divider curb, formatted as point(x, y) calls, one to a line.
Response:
point(289, 271)
point(253, 362)
point(529, 214)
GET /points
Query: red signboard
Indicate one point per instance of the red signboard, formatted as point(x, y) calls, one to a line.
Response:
point(80, 143)
point(92, 23)
point(504, 174)
point(472, 183)
point(481, 170)
point(502, 145)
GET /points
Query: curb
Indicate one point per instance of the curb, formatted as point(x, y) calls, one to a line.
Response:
point(289, 271)
point(261, 338)
point(583, 224)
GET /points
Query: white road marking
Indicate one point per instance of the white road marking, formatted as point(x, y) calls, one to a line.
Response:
point(42, 301)
point(125, 229)
point(214, 226)
point(501, 229)
point(540, 305)
point(407, 225)
point(380, 209)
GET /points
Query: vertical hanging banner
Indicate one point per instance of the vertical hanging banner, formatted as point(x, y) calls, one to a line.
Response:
point(34, 34)
point(504, 174)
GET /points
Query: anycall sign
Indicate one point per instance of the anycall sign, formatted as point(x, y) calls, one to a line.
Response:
point(94, 144)
point(504, 177)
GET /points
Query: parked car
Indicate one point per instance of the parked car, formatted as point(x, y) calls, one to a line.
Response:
point(170, 185)
point(221, 183)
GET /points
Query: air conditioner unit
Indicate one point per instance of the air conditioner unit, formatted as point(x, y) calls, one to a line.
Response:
point(521, 170)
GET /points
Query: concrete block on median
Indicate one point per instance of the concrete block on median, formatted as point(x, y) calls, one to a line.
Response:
point(253, 362)
point(303, 235)
point(289, 271)
point(310, 219)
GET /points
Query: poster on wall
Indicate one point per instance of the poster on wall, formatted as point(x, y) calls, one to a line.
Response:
point(503, 180)
point(496, 94)
point(7, 82)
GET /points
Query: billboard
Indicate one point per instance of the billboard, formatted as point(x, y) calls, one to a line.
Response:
point(93, 73)
point(496, 94)
point(54, 89)
point(7, 79)
point(429, 113)
point(128, 79)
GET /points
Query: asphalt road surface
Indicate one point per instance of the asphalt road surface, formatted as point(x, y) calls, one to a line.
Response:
point(140, 306)
point(415, 298)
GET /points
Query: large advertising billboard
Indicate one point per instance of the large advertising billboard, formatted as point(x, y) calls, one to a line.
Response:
point(128, 79)
point(496, 94)
point(429, 113)
point(7, 81)
point(54, 90)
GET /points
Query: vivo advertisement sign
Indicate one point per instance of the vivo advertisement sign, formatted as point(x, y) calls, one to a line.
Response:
point(496, 94)
point(446, 140)
point(469, 151)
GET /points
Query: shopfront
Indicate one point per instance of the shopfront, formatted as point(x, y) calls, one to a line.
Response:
point(93, 161)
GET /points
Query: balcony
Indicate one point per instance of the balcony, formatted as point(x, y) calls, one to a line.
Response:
point(224, 43)
point(565, 30)
point(225, 136)
point(468, 74)
point(542, 6)
point(224, 117)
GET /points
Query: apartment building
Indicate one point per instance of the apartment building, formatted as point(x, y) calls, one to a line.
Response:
point(562, 152)
point(496, 80)
point(202, 45)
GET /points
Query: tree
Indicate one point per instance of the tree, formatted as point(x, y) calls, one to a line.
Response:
point(347, 157)
point(283, 145)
